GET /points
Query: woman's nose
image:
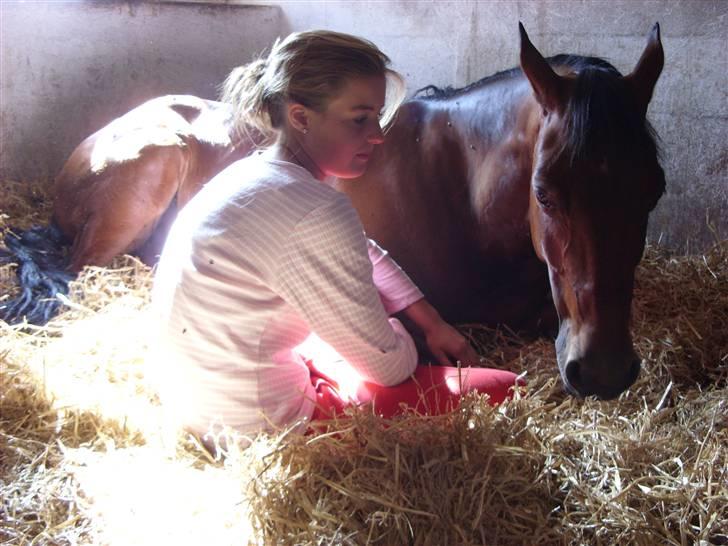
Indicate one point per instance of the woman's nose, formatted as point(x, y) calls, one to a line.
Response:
point(376, 136)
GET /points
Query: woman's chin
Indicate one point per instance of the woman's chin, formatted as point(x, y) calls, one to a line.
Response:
point(353, 171)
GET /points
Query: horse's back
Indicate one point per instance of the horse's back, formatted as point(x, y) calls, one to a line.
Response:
point(169, 121)
point(120, 181)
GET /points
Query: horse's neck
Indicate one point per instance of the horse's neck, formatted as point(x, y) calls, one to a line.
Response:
point(498, 125)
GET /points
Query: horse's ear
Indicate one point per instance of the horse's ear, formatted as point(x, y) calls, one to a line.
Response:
point(547, 85)
point(644, 76)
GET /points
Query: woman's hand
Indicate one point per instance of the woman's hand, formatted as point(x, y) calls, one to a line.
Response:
point(449, 346)
point(445, 342)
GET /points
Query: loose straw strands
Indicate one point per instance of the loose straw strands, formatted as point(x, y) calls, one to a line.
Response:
point(649, 468)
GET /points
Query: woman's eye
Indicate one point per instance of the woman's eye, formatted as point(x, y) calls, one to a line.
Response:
point(360, 120)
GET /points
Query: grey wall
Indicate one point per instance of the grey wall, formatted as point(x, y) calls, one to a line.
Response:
point(67, 68)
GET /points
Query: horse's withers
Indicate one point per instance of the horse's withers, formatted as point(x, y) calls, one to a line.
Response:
point(595, 178)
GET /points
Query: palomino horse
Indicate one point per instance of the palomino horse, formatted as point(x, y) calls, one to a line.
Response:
point(474, 190)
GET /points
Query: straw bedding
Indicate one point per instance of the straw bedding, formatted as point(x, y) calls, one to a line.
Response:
point(87, 456)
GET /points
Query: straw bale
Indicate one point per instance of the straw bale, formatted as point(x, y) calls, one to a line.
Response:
point(88, 457)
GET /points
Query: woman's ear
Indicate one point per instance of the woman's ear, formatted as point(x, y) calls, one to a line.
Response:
point(298, 117)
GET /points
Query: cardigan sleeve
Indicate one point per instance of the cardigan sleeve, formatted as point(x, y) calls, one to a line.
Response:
point(396, 289)
point(326, 275)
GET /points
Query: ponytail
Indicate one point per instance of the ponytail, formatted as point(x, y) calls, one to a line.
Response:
point(245, 91)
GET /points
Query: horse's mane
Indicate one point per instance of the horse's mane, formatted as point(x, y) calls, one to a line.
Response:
point(576, 62)
point(600, 115)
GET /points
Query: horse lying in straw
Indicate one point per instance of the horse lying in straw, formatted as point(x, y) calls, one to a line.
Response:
point(536, 176)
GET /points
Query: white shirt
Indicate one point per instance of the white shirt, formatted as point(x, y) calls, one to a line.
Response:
point(261, 257)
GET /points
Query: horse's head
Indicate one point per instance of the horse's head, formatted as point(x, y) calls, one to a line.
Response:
point(596, 177)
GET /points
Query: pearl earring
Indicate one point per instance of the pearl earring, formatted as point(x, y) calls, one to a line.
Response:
point(305, 131)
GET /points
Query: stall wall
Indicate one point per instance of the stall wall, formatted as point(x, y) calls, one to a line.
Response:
point(68, 67)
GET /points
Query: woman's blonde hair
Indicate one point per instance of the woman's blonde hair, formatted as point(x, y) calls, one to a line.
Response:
point(309, 68)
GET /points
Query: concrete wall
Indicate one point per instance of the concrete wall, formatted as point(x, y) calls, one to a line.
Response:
point(91, 60)
point(68, 68)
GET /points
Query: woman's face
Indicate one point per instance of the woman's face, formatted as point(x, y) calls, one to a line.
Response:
point(340, 140)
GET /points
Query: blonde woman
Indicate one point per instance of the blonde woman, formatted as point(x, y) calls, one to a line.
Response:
point(269, 253)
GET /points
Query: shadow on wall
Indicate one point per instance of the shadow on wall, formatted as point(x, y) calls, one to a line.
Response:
point(95, 61)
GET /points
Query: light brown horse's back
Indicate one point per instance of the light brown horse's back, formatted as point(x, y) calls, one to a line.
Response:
point(124, 182)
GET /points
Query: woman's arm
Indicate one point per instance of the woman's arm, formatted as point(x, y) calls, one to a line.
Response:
point(445, 342)
point(325, 274)
point(396, 289)
point(399, 293)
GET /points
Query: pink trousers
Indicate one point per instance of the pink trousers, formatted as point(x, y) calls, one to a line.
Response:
point(431, 390)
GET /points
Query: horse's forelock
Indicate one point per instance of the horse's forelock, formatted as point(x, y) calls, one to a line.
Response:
point(603, 119)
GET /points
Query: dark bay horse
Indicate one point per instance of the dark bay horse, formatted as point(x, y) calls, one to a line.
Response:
point(554, 163)
point(473, 192)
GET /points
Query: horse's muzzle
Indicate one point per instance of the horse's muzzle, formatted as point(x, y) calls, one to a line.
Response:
point(596, 377)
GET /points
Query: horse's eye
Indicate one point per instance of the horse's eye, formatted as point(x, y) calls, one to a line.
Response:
point(543, 198)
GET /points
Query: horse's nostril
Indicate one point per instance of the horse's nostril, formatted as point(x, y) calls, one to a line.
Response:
point(573, 373)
